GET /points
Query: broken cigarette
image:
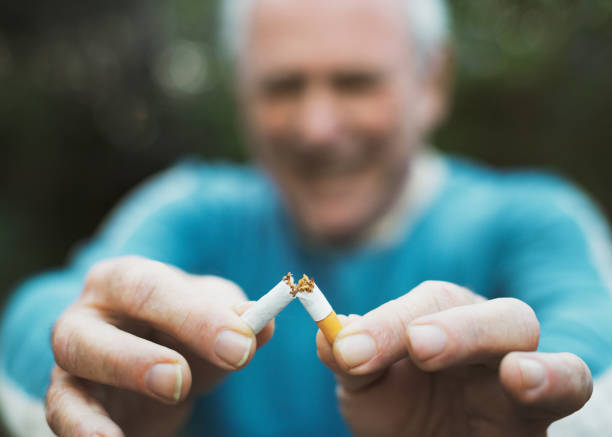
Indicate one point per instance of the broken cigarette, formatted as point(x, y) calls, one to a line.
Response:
point(270, 304)
point(318, 307)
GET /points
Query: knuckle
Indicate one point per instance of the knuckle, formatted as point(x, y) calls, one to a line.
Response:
point(98, 273)
point(105, 271)
point(390, 321)
point(56, 373)
point(102, 271)
point(584, 378)
point(67, 342)
point(444, 295)
point(587, 380)
point(397, 314)
point(115, 372)
point(228, 288)
point(527, 320)
point(133, 282)
point(140, 288)
point(51, 417)
point(519, 306)
point(427, 286)
point(103, 275)
point(191, 323)
point(61, 339)
point(579, 373)
point(54, 402)
point(456, 294)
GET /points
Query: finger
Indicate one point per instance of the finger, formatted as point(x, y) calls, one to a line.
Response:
point(379, 339)
point(388, 408)
point(326, 355)
point(472, 334)
point(266, 333)
point(88, 347)
point(548, 385)
point(71, 412)
point(231, 291)
point(325, 350)
point(200, 317)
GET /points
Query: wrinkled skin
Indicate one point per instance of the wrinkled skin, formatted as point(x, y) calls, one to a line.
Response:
point(335, 104)
point(135, 313)
point(483, 382)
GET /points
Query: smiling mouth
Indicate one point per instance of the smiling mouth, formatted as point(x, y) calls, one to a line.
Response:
point(330, 170)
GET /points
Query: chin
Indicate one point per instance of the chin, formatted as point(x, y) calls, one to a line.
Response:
point(339, 212)
point(339, 224)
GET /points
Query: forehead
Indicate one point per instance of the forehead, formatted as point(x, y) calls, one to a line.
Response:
point(325, 33)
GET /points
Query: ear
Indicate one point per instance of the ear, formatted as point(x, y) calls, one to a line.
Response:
point(437, 82)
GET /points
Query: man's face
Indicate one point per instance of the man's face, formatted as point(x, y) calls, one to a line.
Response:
point(335, 105)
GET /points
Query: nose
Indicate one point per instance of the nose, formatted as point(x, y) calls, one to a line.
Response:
point(319, 120)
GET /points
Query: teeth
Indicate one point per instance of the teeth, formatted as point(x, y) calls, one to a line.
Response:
point(329, 169)
point(330, 172)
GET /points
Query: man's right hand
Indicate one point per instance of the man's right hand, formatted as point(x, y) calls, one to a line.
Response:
point(140, 343)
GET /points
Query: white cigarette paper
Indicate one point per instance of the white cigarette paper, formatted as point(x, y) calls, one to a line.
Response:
point(316, 304)
point(268, 306)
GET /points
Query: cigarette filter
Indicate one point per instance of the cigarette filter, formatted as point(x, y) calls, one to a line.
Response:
point(270, 304)
point(316, 304)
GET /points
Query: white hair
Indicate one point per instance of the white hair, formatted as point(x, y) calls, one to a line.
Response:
point(428, 20)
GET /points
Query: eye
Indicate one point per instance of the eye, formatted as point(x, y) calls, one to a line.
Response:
point(282, 87)
point(356, 82)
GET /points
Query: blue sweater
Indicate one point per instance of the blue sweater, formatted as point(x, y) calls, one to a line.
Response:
point(525, 235)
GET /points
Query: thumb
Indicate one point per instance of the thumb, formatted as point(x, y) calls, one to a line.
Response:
point(549, 385)
point(345, 380)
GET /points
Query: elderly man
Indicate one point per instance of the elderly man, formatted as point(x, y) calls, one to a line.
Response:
point(338, 99)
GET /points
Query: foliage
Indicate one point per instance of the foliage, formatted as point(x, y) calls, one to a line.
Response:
point(98, 95)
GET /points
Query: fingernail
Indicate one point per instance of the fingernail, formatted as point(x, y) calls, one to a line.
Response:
point(532, 372)
point(355, 349)
point(166, 381)
point(233, 348)
point(427, 341)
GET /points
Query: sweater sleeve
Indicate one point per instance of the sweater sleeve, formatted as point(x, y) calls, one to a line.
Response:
point(557, 257)
point(158, 221)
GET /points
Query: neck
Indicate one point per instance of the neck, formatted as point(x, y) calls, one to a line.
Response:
point(423, 180)
point(422, 183)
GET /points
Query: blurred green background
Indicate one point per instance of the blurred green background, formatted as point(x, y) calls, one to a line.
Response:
point(96, 96)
